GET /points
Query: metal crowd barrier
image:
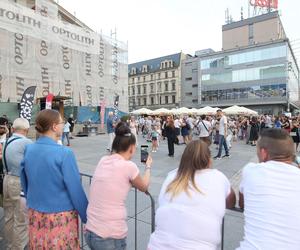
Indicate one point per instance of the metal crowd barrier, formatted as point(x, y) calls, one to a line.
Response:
point(235, 209)
point(138, 205)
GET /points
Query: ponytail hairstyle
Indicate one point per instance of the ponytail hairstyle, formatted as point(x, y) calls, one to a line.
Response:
point(123, 139)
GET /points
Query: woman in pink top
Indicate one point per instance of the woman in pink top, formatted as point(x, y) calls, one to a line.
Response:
point(114, 176)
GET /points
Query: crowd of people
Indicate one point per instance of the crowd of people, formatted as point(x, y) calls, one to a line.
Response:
point(43, 195)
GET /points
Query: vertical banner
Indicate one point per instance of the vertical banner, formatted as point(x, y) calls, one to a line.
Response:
point(27, 103)
point(116, 106)
point(102, 112)
point(49, 99)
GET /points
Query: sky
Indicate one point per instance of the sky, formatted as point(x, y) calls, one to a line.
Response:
point(155, 28)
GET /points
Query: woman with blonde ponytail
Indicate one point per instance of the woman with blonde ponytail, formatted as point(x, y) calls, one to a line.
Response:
point(192, 203)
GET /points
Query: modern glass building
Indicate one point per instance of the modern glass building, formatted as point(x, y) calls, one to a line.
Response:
point(264, 76)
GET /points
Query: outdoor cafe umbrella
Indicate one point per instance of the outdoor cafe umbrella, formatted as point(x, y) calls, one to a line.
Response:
point(237, 110)
point(142, 111)
point(181, 111)
point(161, 111)
point(207, 111)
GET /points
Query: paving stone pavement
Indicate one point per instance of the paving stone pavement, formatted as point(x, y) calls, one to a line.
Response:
point(89, 150)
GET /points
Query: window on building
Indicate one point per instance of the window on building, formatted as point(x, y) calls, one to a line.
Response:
point(166, 64)
point(166, 86)
point(251, 30)
point(151, 88)
point(139, 90)
point(173, 86)
point(138, 79)
point(173, 98)
point(151, 77)
point(195, 85)
point(173, 73)
point(145, 101)
point(129, 91)
point(144, 78)
point(189, 94)
point(133, 71)
point(158, 76)
point(166, 74)
point(188, 78)
point(166, 100)
point(160, 100)
point(139, 101)
point(257, 92)
point(152, 100)
point(145, 89)
point(159, 86)
point(132, 80)
point(133, 91)
point(195, 100)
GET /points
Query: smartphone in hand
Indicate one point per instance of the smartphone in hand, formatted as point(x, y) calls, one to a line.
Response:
point(144, 153)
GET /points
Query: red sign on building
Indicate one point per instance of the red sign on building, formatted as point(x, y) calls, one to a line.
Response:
point(273, 4)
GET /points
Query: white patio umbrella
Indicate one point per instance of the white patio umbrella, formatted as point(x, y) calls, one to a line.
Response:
point(161, 111)
point(142, 111)
point(249, 111)
point(207, 111)
point(194, 111)
point(182, 111)
point(237, 110)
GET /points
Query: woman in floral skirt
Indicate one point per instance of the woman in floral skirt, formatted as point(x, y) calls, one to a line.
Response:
point(51, 183)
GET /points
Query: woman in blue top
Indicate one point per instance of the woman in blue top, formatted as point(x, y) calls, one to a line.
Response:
point(51, 183)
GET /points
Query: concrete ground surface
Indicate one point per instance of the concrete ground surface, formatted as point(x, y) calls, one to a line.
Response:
point(89, 150)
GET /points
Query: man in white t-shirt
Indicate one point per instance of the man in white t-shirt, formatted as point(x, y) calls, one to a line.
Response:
point(270, 195)
point(204, 128)
point(222, 135)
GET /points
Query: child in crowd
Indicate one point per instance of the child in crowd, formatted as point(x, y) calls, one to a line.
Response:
point(154, 136)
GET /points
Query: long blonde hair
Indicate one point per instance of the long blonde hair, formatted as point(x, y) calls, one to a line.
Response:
point(196, 156)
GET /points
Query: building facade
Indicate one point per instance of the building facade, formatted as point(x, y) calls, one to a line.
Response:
point(42, 45)
point(257, 71)
point(264, 76)
point(190, 83)
point(155, 83)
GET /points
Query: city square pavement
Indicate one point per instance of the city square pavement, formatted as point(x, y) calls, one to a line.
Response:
point(88, 151)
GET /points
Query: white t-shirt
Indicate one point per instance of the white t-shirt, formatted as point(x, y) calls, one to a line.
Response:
point(272, 206)
point(177, 123)
point(191, 222)
point(190, 121)
point(223, 123)
point(204, 132)
point(67, 127)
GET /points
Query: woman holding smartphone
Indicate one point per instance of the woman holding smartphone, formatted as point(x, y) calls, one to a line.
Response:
point(106, 228)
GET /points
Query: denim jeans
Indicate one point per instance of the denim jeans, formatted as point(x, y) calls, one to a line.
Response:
point(65, 134)
point(222, 142)
point(95, 242)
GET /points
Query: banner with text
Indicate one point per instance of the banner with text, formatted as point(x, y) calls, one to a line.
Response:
point(59, 58)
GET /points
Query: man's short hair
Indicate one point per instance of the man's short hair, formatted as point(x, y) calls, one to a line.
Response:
point(219, 110)
point(277, 142)
point(21, 124)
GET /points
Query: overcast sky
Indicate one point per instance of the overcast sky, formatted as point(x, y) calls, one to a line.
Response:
point(155, 28)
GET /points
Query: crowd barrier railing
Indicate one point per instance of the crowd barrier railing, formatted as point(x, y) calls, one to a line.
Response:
point(235, 209)
point(139, 207)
